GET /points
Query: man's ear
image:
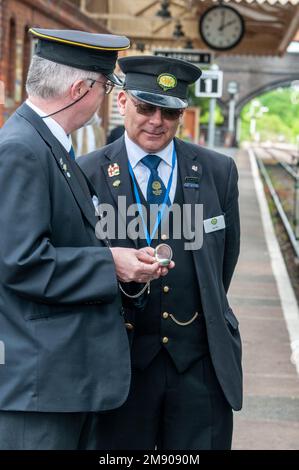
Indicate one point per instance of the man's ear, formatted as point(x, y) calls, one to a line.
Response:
point(121, 102)
point(181, 116)
point(78, 88)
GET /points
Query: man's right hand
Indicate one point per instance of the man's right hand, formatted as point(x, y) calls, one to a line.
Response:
point(137, 265)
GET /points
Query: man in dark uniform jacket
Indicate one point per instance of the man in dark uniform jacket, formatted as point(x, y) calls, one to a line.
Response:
point(186, 348)
point(64, 350)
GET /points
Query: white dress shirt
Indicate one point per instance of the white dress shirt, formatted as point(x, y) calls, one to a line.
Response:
point(142, 173)
point(54, 127)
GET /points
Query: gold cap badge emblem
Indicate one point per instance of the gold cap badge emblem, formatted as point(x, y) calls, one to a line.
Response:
point(167, 81)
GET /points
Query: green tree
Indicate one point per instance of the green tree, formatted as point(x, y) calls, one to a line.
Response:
point(281, 121)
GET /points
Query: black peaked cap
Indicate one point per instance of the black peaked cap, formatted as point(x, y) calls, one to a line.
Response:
point(80, 49)
point(161, 81)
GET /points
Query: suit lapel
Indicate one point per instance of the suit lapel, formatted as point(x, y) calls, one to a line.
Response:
point(189, 166)
point(116, 174)
point(68, 168)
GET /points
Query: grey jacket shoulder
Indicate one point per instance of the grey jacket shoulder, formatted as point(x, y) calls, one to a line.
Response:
point(19, 133)
point(207, 156)
point(18, 130)
point(221, 168)
point(215, 162)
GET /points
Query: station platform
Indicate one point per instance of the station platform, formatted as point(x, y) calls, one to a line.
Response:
point(269, 419)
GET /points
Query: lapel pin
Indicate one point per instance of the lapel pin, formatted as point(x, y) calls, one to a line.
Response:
point(191, 182)
point(113, 170)
point(116, 183)
point(64, 168)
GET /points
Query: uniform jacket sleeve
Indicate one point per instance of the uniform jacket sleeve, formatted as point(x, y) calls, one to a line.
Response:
point(29, 263)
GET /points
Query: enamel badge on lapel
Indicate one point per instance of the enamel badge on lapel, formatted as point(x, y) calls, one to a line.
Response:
point(191, 182)
point(113, 170)
point(167, 81)
point(64, 167)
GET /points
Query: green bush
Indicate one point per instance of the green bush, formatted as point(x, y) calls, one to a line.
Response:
point(280, 123)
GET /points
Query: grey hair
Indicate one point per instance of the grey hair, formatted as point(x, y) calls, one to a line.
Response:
point(47, 79)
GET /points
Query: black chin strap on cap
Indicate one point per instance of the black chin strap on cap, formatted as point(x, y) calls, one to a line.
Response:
point(71, 104)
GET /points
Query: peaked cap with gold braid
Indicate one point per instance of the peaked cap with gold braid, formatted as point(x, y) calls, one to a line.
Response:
point(82, 50)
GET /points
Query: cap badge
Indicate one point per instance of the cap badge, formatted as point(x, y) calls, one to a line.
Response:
point(167, 81)
point(113, 170)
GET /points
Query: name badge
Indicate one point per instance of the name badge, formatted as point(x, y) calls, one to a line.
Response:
point(191, 182)
point(213, 224)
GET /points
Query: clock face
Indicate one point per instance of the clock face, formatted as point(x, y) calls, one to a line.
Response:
point(221, 27)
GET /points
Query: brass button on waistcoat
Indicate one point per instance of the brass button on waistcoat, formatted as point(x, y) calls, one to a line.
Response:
point(165, 289)
point(165, 340)
point(129, 326)
point(165, 315)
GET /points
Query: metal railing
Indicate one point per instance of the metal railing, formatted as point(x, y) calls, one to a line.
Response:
point(293, 234)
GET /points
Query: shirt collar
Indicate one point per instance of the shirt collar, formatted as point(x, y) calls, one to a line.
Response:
point(54, 127)
point(136, 153)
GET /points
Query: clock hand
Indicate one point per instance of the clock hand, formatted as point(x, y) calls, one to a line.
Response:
point(222, 19)
point(221, 28)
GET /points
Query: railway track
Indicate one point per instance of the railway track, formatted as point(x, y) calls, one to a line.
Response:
point(281, 175)
point(286, 159)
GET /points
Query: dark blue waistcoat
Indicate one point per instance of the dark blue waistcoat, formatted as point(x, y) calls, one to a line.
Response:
point(173, 317)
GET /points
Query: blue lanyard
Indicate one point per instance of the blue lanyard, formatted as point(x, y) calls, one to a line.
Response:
point(164, 204)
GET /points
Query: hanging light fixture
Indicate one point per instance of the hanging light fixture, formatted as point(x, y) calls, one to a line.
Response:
point(140, 46)
point(178, 32)
point(164, 10)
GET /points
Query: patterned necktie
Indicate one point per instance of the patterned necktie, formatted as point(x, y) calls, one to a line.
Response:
point(72, 153)
point(156, 190)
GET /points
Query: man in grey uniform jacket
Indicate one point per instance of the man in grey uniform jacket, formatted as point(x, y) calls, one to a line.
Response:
point(186, 348)
point(63, 346)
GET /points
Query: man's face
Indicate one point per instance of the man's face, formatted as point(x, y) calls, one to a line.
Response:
point(151, 132)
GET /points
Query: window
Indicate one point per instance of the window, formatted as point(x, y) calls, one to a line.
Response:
point(11, 71)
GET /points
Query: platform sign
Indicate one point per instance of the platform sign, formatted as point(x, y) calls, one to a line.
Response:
point(196, 57)
point(210, 84)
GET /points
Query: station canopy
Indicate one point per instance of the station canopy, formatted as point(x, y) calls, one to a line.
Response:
point(270, 25)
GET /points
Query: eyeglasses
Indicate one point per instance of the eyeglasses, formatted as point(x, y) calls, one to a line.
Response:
point(108, 86)
point(147, 109)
